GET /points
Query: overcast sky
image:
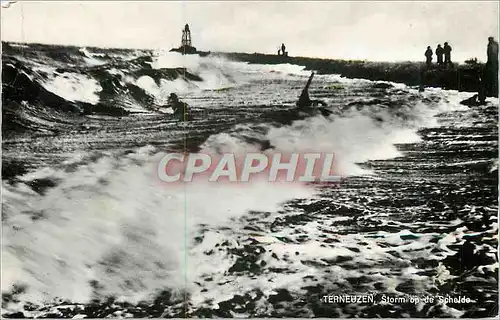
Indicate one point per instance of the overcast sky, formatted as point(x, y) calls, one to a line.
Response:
point(351, 30)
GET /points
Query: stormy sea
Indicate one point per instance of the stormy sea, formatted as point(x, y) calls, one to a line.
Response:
point(89, 231)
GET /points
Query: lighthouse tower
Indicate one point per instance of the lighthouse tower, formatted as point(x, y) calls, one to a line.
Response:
point(186, 37)
point(186, 44)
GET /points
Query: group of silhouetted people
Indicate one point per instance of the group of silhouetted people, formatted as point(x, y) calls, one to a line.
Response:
point(441, 52)
point(282, 51)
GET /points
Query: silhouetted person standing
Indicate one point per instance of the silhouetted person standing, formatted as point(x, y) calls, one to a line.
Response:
point(492, 52)
point(439, 54)
point(428, 56)
point(491, 68)
point(447, 53)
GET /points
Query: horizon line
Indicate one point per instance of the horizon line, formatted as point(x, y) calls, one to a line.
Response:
point(220, 52)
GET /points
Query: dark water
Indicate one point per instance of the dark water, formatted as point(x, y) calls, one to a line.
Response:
point(89, 230)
